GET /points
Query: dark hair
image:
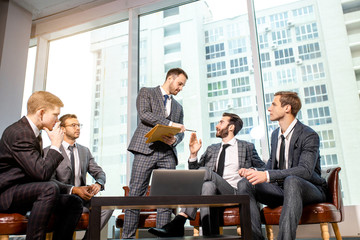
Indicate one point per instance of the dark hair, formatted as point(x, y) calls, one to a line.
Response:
point(174, 72)
point(290, 98)
point(66, 117)
point(236, 120)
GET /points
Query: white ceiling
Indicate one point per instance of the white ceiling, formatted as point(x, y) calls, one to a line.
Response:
point(45, 8)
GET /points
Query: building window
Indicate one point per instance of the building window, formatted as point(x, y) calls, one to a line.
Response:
point(315, 94)
point(171, 65)
point(239, 65)
point(327, 139)
point(267, 79)
point(312, 72)
point(217, 89)
point(309, 51)
point(281, 36)
point(265, 60)
point(241, 84)
point(263, 41)
point(242, 102)
point(123, 119)
point(234, 30)
point(217, 108)
point(319, 116)
point(248, 124)
point(215, 51)
point(308, 10)
point(213, 35)
point(329, 160)
point(279, 20)
point(171, 12)
point(237, 46)
point(286, 76)
point(306, 32)
point(172, 30)
point(172, 48)
point(216, 69)
point(284, 56)
point(213, 129)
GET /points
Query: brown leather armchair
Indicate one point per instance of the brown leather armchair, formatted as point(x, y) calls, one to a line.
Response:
point(147, 216)
point(231, 217)
point(320, 213)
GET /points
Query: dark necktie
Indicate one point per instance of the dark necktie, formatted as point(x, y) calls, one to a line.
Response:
point(72, 160)
point(39, 138)
point(282, 153)
point(221, 163)
point(166, 97)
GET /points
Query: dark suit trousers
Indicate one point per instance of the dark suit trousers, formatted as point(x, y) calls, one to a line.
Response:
point(293, 195)
point(43, 199)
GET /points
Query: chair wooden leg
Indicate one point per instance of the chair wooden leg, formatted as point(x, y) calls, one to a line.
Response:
point(336, 231)
point(325, 231)
point(221, 230)
point(196, 231)
point(74, 235)
point(121, 232)
point(238, 230)
point(49, 236)
point(269, 232)
point(137, 233)
point(4, 237)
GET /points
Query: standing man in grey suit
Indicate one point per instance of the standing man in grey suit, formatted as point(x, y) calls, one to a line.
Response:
point(154, 106)
point(222, 162)
point(25, 173)
point(292, 174)
point(78, 161)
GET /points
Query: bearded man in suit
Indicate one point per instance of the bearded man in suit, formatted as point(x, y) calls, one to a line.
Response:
point(292, 177)
point(154, 106)
point(78, 161)
point(221, 163)
point(25, 173)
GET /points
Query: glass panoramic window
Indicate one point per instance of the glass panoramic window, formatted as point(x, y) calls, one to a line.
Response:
point(94, 87)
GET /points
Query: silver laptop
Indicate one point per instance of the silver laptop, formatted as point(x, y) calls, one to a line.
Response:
point(166, 182)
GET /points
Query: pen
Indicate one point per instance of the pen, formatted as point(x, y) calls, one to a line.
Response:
point(190, 130)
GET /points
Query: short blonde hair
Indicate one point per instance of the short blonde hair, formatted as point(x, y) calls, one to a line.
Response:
point(43, 99)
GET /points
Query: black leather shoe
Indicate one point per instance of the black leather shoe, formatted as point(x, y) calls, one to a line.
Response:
point(169, 230)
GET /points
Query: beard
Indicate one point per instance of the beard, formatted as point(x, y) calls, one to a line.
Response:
point(223, 133)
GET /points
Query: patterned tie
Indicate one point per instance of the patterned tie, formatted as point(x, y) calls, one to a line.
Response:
point(39, 138)
point(221, 163)
point(166, 97)
point(72, 160)
point(282, 153)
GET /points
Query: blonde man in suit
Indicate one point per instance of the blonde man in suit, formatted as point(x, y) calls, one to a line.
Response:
point(221, 177)
point(78, 161)
point(154, 106)
point(25, 173)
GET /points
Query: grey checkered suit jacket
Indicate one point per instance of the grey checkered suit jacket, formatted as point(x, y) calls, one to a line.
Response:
point(151, 111)
point(21, 161)
point(247, 156)
point(304, 156)
point(87, 164)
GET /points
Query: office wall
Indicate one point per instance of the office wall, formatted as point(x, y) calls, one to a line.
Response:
point(15, 28)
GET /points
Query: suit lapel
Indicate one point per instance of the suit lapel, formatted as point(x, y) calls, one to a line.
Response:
point(294, 138)
point(216, 149)
point(274, 142)
point(160, 99)
point(81, 163)
point(241, 152)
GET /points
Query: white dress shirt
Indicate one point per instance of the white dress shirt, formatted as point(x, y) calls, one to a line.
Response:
point(168, 102)
point(76, 163)
point(287, 134)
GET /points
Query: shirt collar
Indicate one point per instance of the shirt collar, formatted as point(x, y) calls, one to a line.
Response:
point(66, 144)
point(231, 142)
point(33, 127)
point(163, 92)
point(289, 129)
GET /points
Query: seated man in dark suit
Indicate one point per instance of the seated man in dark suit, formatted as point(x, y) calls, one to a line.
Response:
point(222, 162)
point(25, 174)
point(78, 161)
point(292, 174)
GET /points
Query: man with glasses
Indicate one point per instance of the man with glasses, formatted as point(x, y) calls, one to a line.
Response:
point(78, 161)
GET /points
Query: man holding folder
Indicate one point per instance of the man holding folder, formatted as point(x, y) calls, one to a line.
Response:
point(154, 106)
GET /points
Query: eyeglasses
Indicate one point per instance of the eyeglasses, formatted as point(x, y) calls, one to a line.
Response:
point(74, 125)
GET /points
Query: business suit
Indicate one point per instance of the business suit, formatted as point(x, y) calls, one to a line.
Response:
point(298, 185)
point(25, 185)
point(63, 174)
point(148, 156)
point(215, 184)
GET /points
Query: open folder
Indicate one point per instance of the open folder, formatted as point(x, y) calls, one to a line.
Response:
point(156, 133)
